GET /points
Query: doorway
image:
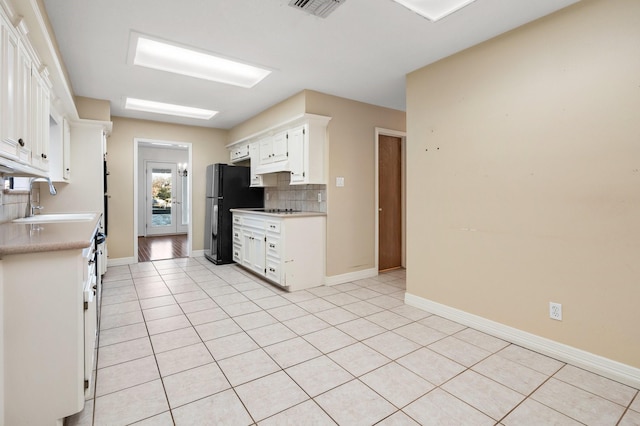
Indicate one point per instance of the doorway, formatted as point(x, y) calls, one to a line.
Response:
point(162, 190)
point(390, 199)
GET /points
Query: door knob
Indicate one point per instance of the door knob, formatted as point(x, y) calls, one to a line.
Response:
point(380, 209)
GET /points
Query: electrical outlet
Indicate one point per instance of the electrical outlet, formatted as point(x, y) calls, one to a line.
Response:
point(555, 311)
point(319, 197)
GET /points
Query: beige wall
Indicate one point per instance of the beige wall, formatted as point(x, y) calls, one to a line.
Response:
point(84, 191)
point(351, 209)
point(351, 135)
point(272, 116)
point(534, 193)
point(208, 147)
point(93, 109)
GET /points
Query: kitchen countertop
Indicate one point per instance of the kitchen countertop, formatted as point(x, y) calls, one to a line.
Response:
point(263, 212)
point(18, 238)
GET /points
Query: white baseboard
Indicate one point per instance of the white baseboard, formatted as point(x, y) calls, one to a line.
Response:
point(120, 261)
point(131, 260)
point(351, 276)
point(595, 363)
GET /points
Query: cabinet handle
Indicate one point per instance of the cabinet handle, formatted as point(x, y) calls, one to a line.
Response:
point(21, 142)
point(272, 245)
point(271, 270)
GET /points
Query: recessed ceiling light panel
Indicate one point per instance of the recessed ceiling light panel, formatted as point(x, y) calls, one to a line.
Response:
point(180, 60)
point(168, 109)
point(434, 10)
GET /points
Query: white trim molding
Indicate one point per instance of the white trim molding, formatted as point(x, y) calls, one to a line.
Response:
point(121, 261)
point(351, 276)
point(595, 363)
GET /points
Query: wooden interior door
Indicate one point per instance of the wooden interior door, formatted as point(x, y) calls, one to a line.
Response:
point(389, 202)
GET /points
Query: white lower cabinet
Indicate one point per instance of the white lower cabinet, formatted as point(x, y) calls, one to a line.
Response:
point(50, 345)
point(288, 250)
point(253, 249)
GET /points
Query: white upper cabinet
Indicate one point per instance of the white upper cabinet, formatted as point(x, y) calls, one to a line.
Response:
point(297, 146)
point(16, 89)
point(308, 151)
point(8, 53)
point(59, 147)
point(296, 154)
point(239, 153)
point(274, 153)
point(24, 100)
point(259, 180)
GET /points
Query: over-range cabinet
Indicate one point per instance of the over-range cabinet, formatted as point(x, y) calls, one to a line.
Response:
point(227, 188)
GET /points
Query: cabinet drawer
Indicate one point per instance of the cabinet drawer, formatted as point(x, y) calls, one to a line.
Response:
point(253, 222)
point(273, 227)
point(273, 271)
point(273, 247)
point(237, 235)
point(237, 253)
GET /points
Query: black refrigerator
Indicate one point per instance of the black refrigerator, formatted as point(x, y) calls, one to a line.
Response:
point(227, 188)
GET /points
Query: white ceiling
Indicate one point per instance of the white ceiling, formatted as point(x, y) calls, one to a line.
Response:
point(362, 51)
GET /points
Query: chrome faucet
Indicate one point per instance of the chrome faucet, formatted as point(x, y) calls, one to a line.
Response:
point(30, 207)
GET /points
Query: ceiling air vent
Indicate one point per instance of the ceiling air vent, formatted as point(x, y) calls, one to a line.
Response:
point(321, 8)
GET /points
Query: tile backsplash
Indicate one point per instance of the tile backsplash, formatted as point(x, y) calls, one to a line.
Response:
point(12, 204)
point(296, 197)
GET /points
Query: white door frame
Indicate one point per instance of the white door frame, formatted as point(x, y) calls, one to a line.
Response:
point(402, 135)
point(136, 142)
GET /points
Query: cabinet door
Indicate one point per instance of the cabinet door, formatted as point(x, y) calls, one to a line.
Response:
point(254, 155)
point(9, 83)
point(16, 97)
point(39, 121)
point(66, 150)
point(23, 103)
point(279, 147)
point(253, 250)
point(266, 150)
point(258, 252)
point(247, 248)
point(296, 154)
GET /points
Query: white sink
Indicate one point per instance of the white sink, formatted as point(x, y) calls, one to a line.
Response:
point(57, 217)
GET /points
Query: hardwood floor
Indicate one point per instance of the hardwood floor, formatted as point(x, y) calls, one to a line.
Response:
point(162, 247)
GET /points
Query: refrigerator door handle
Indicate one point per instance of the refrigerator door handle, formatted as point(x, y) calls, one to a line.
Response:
point(214, 227)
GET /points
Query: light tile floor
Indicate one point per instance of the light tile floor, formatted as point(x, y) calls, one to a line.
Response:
point(187, 342)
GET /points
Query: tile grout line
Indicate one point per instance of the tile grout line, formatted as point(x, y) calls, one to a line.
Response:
point(384, 309)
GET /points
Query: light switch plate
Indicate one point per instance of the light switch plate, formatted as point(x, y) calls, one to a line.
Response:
point(340, 181)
